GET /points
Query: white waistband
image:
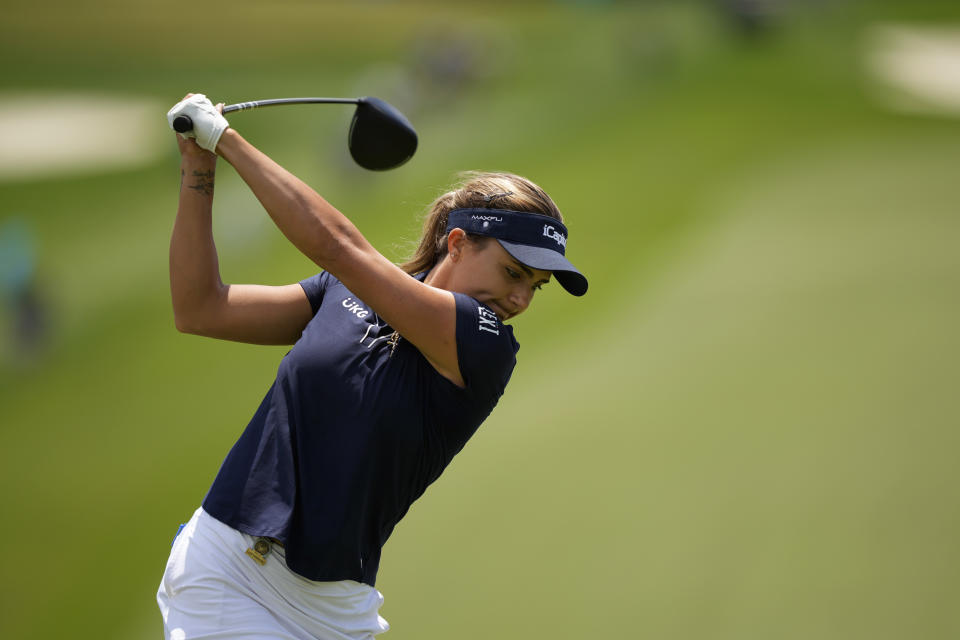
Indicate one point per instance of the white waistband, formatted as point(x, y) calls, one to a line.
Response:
point(209, 560)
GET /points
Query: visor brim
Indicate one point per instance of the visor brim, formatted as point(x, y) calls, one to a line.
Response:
point(547, 260)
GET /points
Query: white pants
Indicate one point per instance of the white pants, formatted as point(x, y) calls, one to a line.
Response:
point(212, 589)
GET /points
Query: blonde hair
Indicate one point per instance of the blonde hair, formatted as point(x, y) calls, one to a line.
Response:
point(479, 190)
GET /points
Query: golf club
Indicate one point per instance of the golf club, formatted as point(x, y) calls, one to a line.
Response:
point(380, 136)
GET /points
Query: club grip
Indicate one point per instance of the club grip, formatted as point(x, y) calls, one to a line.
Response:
point(182, 124)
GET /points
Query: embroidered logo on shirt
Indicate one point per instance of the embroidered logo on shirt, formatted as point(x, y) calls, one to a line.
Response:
point(355, 308)
point(488, 321)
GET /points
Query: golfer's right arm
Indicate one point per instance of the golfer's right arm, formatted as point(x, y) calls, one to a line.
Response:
point(202, 303)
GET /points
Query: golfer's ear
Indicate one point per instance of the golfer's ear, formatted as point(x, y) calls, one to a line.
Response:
point(455, 241)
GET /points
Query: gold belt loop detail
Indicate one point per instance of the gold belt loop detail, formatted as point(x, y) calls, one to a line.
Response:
point(259, 551)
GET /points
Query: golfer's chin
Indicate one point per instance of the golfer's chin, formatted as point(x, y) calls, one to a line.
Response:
point(503, 314)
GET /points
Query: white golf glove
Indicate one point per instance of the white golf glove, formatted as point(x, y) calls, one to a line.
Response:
point(208, 123)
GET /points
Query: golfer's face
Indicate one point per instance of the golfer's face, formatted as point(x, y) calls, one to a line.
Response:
point(494, 277)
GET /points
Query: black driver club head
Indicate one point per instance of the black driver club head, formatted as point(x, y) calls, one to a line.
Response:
point(380, 136)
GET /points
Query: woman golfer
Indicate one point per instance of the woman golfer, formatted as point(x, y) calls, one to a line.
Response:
point(392, 370)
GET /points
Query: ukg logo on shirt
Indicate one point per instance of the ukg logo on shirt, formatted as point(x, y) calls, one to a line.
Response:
point(355, 308)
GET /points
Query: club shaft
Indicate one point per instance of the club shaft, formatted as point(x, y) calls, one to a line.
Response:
point(184, 123)
point(243, 106)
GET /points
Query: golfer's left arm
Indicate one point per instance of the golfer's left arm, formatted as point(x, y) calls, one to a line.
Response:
point(424, 315)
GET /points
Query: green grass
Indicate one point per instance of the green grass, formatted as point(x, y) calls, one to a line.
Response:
point(745, 429)
point(770, 454)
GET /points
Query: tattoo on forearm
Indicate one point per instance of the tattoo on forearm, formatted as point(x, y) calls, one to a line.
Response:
point(203, 182)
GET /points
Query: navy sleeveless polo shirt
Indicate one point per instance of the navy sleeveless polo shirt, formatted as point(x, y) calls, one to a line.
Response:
point(350, 434)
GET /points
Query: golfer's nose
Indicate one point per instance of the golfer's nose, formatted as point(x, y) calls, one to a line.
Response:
point(520, 297)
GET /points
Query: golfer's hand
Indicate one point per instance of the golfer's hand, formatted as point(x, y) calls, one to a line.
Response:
point(208, 121)
point(191, 152)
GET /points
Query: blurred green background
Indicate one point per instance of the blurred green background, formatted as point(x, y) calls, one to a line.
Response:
point(747, 428)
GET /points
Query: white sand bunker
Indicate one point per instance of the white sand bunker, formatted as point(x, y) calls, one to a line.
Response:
point(47, 133)
point(920, 67)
